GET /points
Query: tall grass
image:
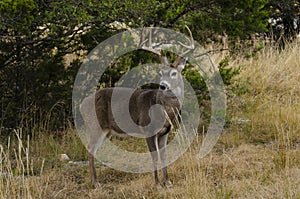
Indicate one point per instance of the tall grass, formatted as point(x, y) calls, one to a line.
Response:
point(24, 161)
point(16, 167)
point(273, 103)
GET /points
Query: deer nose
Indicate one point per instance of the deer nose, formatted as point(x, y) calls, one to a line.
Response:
point(163, 86)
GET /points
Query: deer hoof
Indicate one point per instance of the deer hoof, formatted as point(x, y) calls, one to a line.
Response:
point(158, 186)
point(96, 185)
point(168, 184)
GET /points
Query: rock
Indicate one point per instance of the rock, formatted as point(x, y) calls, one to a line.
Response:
point(79, 163)
point(63, 157)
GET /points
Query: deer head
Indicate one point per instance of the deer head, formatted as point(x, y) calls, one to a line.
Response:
point(170, 74)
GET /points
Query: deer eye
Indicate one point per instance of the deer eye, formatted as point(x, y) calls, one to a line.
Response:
point(173, 74)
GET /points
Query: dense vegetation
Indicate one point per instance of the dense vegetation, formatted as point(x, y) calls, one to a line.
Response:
point(42, 43)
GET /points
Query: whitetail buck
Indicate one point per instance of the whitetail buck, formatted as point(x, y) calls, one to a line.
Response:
point(169, 96)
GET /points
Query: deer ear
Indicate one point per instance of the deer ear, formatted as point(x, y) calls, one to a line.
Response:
point(181, 64)
point(165, 60)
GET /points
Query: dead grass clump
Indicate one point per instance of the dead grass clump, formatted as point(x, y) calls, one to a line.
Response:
point(273, 103)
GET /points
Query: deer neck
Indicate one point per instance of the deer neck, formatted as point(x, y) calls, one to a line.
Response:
point(172, 97)
point(178, 91)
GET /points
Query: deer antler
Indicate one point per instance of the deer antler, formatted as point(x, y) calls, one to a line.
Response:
point(189, 48)
point(151, 47)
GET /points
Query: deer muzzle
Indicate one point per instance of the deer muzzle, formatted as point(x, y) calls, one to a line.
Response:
point(164, 86)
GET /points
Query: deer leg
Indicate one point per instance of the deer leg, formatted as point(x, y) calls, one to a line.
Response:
point(152, 145)
point(93, 130)
point(95, 141)
point(162, 143)
point(93, 170)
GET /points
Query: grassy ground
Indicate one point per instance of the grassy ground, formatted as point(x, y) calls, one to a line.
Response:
point(256, 157)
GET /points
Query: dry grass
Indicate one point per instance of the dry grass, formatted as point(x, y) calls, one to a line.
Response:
point(255, 159)
point(273, 105)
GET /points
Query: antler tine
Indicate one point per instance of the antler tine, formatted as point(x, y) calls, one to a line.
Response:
point(151, 46)
point(189, 47)
point(143, 42)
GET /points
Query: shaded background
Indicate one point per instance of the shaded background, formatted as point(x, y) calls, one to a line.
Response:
point(42, 44)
